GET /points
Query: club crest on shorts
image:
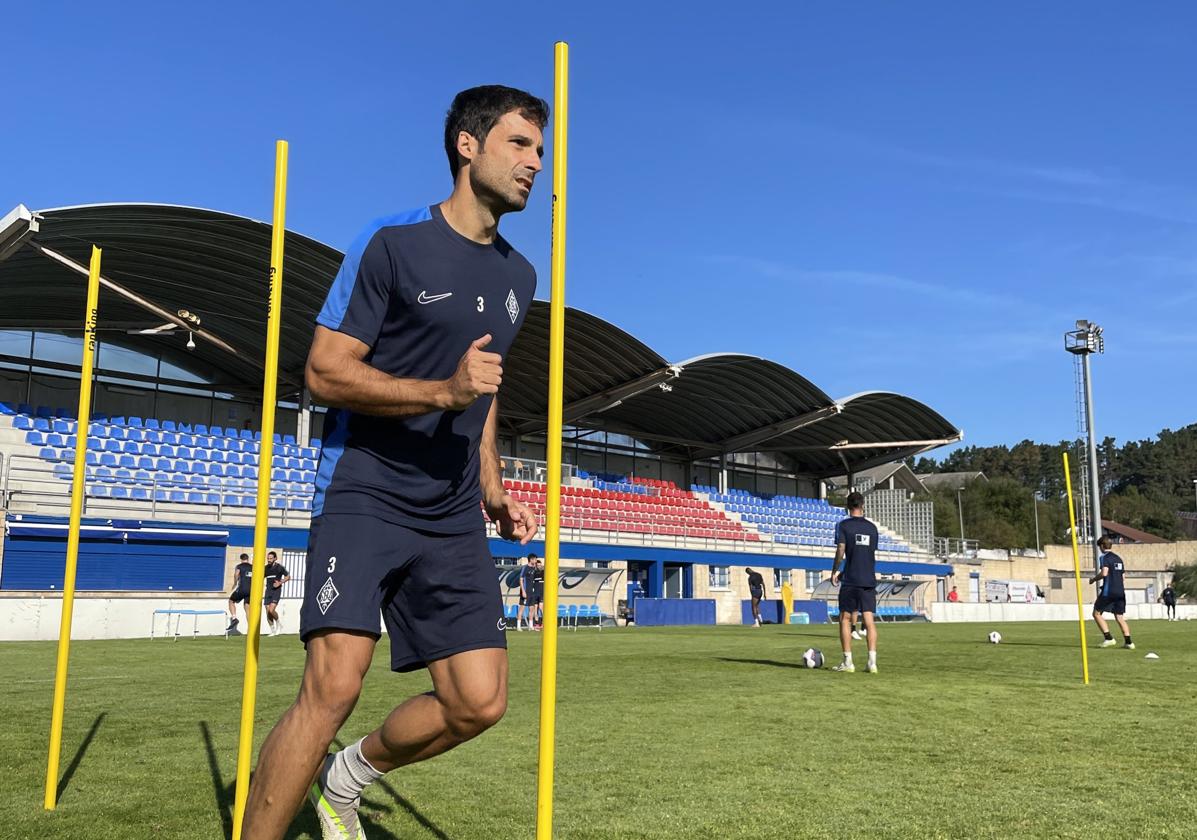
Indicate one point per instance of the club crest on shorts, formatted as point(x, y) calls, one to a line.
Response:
point(327, 594)
point(513, 305)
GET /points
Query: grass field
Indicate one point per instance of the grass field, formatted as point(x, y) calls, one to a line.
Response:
point(663, 733)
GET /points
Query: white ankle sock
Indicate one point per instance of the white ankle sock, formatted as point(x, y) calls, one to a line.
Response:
point(872, 658)
point(847, 659)
point(347, 775)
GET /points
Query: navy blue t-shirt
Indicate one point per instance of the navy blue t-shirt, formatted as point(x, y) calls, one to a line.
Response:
point(859, 538)
point(275, 571)
point(1112, 585)
point(418, 293)
point(247, 573)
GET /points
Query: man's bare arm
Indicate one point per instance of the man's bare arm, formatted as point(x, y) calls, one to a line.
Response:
point(491, 474)
point(338, 376)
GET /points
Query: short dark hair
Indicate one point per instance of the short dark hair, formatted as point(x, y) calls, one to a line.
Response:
point(273, 554)
point(531, 555)
point(1104, 542)
point(477, 110)
point(244, 556)
point(855, 501)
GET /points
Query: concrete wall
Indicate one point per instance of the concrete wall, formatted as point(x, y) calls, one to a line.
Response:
point(38, 618)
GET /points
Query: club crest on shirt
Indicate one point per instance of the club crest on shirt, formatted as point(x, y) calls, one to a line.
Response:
point(862, 539)
point(327, 594)
point(513, 305)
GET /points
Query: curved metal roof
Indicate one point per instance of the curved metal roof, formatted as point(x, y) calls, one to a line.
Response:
point(215, 266)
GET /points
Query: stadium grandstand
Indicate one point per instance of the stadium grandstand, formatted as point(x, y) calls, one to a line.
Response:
point(676, 472)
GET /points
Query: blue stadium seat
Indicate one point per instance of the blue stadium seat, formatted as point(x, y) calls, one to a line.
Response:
point(108, 459)
point(140, 494)
point(44, 412)
point(145, 462)
point(100, 491)
point(289, 440)
point(167, 451)
point(151, 423)
point(42, 424)
point(178, 496)
point(93, 457)
point(201, 429)
point(110, 445)
point(246, 434)
point(134, 423)
point(143, 476)
point(47, 453)
point(25, 408)
point(149, 449)
point(63, 427)
point(35, 438)
point(169, 426)
point(132, 447)
point(119, 492)
point(7, 409)
point(22, 422)
point(138, 435)
point(128, 461)
point(187, 441)
point(170, 438)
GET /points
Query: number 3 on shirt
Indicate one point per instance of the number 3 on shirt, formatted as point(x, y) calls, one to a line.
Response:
point(332, 565)
point(481, 305)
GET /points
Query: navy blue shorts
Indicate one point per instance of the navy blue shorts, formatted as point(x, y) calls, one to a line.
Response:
point(437, 594)
point(238, 596)
point(1115, 604)
point(272, 595)
point(858, 598)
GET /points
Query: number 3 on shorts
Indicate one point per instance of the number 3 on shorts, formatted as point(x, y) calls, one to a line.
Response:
point(332, 564)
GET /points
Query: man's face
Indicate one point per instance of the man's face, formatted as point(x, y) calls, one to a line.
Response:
point(503, 170)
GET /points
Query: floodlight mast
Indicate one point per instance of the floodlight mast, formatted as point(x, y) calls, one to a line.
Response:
point(1084, 341)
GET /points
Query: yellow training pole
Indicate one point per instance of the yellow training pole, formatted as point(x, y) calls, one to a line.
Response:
point(552, 527)
point(1076, 564)
point(78, 488)
point(253, 609)
point(787, 601)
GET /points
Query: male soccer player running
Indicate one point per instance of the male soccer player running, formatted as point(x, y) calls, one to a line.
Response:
point(1112, 597)
point(276, 576)
point(856, 548)
point(242, 572)
point(756, 591)
point(409, 349)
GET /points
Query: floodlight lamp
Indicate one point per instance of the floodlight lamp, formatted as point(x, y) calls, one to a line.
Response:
point(190, 341)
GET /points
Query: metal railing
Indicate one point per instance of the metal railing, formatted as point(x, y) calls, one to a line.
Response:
point(526, 469)
point(956, 547)
point(31, 479)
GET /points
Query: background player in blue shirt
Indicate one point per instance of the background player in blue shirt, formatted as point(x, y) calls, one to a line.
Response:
point(525, 610)
point(856, 548)
point(1111, 596)
point(408, 351)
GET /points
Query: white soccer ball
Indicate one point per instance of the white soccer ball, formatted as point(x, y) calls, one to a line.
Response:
point(812, 658)
point(995, 637)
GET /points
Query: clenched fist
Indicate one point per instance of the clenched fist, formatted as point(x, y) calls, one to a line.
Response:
point(478, 373)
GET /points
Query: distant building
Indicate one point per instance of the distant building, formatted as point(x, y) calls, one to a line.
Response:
point(1120, 533)
point(951, 480)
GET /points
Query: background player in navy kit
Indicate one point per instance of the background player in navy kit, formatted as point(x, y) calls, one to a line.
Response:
point(409, 349)
point(756, 591)
point(276, 576)
point(1112, 595)
point(1168, 596)
point(536, 594)
point(856, 547)
point(242, 573)
point(525, 610)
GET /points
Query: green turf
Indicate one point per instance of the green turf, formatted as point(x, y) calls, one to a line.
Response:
point(665, 733)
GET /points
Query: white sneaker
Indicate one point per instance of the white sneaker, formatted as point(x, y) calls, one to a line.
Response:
point(872, 668)
point(845, 668)
point(1108, 643)
point(856, 635)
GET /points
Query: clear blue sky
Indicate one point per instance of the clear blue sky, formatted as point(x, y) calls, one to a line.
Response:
point(919, 197)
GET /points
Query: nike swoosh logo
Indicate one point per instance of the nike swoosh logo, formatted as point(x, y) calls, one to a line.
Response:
point(427, 298)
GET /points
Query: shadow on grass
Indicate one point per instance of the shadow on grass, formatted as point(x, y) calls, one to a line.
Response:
point(224, 795)
point(772, 662)
point(74, 765)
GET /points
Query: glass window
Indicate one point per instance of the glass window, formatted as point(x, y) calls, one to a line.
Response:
point(813, 579)
point(54, 347)
point(719, 577)
point(780, 578)
point(16, 343)
point(114, 357)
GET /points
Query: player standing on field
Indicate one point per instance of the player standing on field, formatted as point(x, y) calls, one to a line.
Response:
point(409, 350)
point(856, 548)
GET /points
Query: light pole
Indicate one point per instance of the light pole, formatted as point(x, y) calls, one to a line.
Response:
point(1035, 507)
point(1084, 341)
point(960, 511)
